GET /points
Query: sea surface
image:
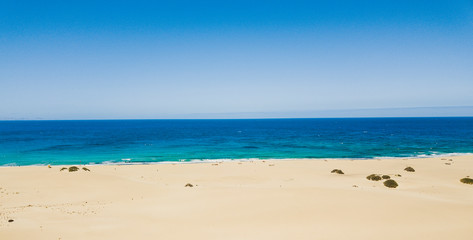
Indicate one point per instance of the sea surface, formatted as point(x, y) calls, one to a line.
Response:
point(146, 141)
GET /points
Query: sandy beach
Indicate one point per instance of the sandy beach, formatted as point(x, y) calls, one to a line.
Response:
point(273, 199)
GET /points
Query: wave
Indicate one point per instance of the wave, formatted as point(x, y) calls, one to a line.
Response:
point(11, 165)
point(441, 155)
point(127, 161)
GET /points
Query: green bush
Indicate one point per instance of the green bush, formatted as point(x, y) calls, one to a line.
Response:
point(409, 169)
point(86, 169)
point(390, 183)
point(466, 180)
point(374, 177)
point(73, 169)
point(385, 177)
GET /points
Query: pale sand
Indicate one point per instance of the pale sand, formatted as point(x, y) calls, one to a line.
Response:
point(297, 199)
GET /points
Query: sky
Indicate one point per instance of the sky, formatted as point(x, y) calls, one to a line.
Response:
point(206, 59)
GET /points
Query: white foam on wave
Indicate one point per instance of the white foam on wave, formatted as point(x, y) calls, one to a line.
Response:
point(39, 165)
point(428, 155)
point(190, 161)
point(119, 163)
point(220, 160)
point(9, 165)
point(441, 155)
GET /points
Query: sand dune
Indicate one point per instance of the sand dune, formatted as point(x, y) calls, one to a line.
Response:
point(294, 199)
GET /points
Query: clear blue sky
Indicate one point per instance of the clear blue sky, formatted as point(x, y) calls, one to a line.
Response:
point(137, 59)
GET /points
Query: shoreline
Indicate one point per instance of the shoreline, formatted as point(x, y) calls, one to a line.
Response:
point(192, 161)
point(267, 199)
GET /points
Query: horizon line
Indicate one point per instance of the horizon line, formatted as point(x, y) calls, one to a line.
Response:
point(190, 119)
point(398, 112)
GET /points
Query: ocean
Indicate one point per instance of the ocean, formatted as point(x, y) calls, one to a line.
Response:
point(151, 141)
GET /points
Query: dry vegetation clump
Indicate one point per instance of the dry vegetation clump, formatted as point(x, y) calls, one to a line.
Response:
point(466, 180)
point(385, 177)
point(189, 185)
point(64, 168)
point(337, 171)
point(390, 183)
point(73, 169)
point(374, 177)
point(86, 169)
point(409, 169)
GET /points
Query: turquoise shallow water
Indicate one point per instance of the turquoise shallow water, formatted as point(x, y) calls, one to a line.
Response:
point(144, 141)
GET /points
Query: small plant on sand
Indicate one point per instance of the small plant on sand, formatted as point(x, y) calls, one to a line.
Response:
point(409, 169)
point(73, 169)
point(86, 169)
point(466, 180)
point(64, 168)
point(373, 177)
point(398, 175)
point(385, 177)
point(189, 185)
point(390, 183)
point(337, 171)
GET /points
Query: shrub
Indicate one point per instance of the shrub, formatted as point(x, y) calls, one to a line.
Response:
point(337, 171)
point(86, 169)
point(373, 177)
point(385, 177)
point(390, 183)
point(409, 169)
point(64, 168)
point(73, 169)
point(466, 180)
point(189, 185)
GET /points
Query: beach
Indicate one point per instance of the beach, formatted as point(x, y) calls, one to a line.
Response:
point(261, 199)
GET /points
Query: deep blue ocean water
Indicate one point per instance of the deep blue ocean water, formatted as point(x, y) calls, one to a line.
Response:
point(142, 141)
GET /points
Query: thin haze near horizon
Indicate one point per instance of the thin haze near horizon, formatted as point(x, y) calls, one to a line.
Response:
point(135, 59)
